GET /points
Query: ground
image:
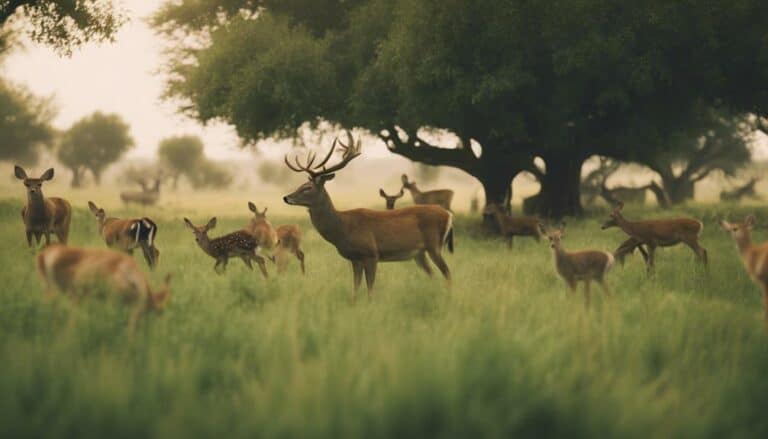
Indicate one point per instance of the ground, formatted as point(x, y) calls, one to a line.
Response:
point(503, 352)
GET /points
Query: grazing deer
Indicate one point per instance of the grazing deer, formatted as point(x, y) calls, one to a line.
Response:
point(127, 234)
point(660, 233)
point(146, 197)
point(236, 244)
point(754, 256)
point(586, 265)
point(43, 216)
point(440, 197)
point(511, 226)
point(391, 199)
point(76, 270)
point(283, 241)
point(627, 248)
point(366, 237)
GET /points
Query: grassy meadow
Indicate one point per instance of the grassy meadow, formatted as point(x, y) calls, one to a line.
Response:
point(502, 353)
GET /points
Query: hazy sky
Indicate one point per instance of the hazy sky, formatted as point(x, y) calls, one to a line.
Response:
point(121, 77)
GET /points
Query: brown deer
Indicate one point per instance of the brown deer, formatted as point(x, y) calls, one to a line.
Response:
point(586, 265)
point(754, 256)
point(660, 233)
point(146, 197)
point(511, 226)
point(440, 197)
point(128, 234)
point(76, 271)
point(390, 200)
point(236, 244)
point(43, 216)
point(283, 241)
point(366, 237)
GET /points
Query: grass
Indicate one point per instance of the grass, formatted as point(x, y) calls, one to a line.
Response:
point(503, 353)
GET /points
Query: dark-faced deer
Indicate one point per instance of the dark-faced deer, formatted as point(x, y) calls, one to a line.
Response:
point(753, 256)
point(43, 216)
point(511, 226)
point(236, 244)
point(366, 237)
point(128, 234)
point(440, 197)
point(586, 265)
point(390, 200)
point(660, 233)
point(283, 241)
point(75, 271)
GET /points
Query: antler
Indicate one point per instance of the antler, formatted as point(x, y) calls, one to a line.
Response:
point(351, 151)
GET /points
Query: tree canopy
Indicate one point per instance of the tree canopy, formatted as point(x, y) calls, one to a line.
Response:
point(24, 124)
point(184, 156)
point(93, 143)
point(512, 79)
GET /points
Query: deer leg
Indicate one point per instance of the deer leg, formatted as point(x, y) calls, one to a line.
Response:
point(421, 261)
point(29, 238)
point(300, 256)
point(370, 274)
point(438, 260)
point(37, 238)
point(571, 284)
point(587, 283)
point(357, 277)
point(262, 263)
point(47, 238)
point(247, 262)
point(651, 263)
point(605, 287)
point(699, 251)
point(148, 255)
point(511, 242)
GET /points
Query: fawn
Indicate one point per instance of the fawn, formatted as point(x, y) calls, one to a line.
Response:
point(390, 200)
point(76, 270)
point(282, 242)
point(236, 244)
point(586, 265)
point(511, 226)
point(43, 215)
point(127, 234)
point(754, 256)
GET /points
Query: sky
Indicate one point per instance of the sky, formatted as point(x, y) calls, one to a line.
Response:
point(121, 77)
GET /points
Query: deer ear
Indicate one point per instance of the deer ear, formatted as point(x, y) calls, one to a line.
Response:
point(211, 224)
point(252, 207)
point(749, 220)
point(19, 172)
point(93, 207)
point(264, 212)
point(47, 175)
point(619, 206)
point(189, 224)
point(382, 194)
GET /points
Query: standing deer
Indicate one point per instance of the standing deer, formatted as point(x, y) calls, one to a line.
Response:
point(754, 257)
point(146, 197)
point(283, 241)
point(586, 265)
point(391, 199)
point(440, 197)
point(511, 226)
point(660, 233)
point(76, 270)
point(366, 237)
point(43, 216)
point(236, 244)
point(127, 234)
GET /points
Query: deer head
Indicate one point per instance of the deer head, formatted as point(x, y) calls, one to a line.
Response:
point(614, 217)
point(201, 233)
point(97, 212)
point(256, 214)
point(34, 185)
point(555, 236)
point(313, 192)
point(158, 299)
point(740, 231)
point(391, 199)
point(407, 184)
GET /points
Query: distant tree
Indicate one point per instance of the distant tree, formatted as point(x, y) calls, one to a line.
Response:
point(272, 172)
point(63, 25)
point(92, 144)
point(210, 174)
point(24, 124)
point(180, 155)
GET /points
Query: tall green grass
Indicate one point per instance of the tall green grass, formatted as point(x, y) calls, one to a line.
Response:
point(504, 352)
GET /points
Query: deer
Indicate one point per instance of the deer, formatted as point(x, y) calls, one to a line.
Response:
point(585, 265)
point(511, 226)
point(146, 197)
point(660, 233)
point(128, 234)
point(283, 241)
point(366, 237)
point(236, 244)
point(43, 216)
point(440, 197)
point(753, 256)
point(747, 190)
point(390, 200)
point(75, 271)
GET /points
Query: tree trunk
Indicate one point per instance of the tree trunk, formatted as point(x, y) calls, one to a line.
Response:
point(560, 193)
point(96, 177)
point(497, 185)
point(679, 190)
point(77, 177)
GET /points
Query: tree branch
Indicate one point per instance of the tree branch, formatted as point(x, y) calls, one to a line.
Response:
point(418, 150)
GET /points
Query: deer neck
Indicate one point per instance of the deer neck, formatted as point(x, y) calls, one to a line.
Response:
point(744, 243)
point(205, 244)
point(624, 224)
point(36, 206)
point(326, 219)
point(415, 192)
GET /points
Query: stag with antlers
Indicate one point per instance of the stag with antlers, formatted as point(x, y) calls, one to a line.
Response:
point(366, 237)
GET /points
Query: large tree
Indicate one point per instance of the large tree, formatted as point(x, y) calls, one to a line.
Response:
point(93, 143)
point(184, 156)
point(24, 124)
point(512, 79)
